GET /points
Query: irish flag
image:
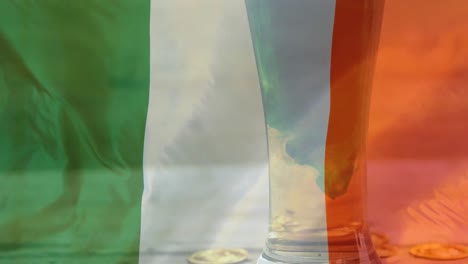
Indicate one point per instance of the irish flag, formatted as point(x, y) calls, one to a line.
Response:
point(79, 85)
point(74, 89)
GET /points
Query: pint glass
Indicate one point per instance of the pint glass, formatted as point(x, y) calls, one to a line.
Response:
point(315, 60)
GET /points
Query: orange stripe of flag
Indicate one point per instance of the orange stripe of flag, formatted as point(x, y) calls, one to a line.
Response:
point(355, 35)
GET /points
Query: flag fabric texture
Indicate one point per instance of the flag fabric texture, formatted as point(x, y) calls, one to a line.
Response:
point(77, 84)
point(417, 145)
point(74, 89)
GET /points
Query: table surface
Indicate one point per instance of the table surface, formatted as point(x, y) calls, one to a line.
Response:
point(235, 217)
point(227, 208)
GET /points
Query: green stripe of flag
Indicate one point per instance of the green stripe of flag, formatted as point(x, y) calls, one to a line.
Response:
point(74, 88)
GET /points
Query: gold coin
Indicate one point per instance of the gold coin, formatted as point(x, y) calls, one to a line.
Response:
point(356, 225)
point(284, 222)
point(435, 251)
point(379, 239)
point(219, 256)
point(340, 232)
point(386, 251)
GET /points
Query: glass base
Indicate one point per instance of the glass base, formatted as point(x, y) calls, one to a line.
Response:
point(346, 245)
point(315, 257)
point(264, 259)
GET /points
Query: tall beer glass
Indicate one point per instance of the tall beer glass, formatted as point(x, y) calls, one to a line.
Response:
point(315, 60)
